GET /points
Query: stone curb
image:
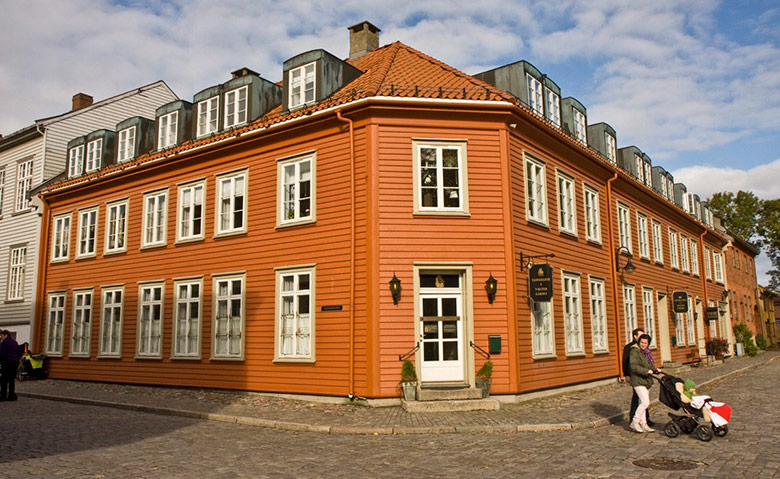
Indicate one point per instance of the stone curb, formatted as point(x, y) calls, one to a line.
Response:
point(366, 430)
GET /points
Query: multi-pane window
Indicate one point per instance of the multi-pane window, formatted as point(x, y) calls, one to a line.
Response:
point(649, 312)
point(155, 207)
point(629, 310)
point(167, 129)
point(694, 257)
point(190, 222)
point(592, 217)
point(624, 227)
point(186, 333)
point(60, 247)
point(679, 327)
point(82, 323)
point(75, 161)
point(55, 323)
point(235, 107)
point(16, 269)
point(673, 256)
point(707, 265)
point(598, 315)
point(567, 210)
point(228, 335)
point(441, 172)
point(689, 324)
point(663, 187)
point(297, 192)
point(126, 148)
point(111, 323)
point(644, 245)
point(207, 116)
point(150, 319)
point(553, 107)
point(717, 261)
point(231, 205)
point(302, 85)
point(639, 168)
point(87, 232)
point(94, 155)
point(658, 247)
point(542, 326)
point(2, 189)
point(611, 147)
point(534, 94)
point(579, 127)
point(24, 174)
point(572, 312)
point(116, 227)
point(295, 314)
point(686, 265)
point(648, 174)
point(669, 189)
point(535, 191)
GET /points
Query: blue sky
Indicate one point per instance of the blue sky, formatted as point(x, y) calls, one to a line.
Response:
point(696, 84)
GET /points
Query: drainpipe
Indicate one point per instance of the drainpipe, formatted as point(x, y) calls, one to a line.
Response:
point(351, 394)
point(702, 270)
point(613, 274)
point(43, 263)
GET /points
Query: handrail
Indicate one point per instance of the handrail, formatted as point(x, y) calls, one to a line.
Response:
point(408, 354)
point(481, 351)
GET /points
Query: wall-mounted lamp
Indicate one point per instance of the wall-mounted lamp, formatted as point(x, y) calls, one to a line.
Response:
point(395, 288)
point(725, 294)
point(629, 267)
point(491, 286)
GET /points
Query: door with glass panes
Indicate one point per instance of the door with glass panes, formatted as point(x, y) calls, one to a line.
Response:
point(441, 328)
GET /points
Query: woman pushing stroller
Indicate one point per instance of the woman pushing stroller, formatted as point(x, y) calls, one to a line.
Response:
point(642, 369)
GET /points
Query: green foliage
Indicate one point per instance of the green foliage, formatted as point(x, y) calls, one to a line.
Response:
point(486, 371)
point(761, 342)
point(750, 348)
point(716, 346)
point(408, 373)
point(742, 333)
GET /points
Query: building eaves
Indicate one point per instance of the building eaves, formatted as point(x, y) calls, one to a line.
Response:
point(744, 244)
point(19, 137)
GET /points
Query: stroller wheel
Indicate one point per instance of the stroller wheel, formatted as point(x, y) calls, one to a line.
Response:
point(720, 431)
point(672, 429)
point(20, 372)
point(704, 432)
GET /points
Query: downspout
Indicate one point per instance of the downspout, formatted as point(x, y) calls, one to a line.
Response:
point(701, 268)
point(351, 253)
point(43, 264)
point(613, 274)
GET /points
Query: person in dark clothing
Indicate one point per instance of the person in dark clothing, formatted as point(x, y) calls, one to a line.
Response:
point(9, 362)
point(635, 334)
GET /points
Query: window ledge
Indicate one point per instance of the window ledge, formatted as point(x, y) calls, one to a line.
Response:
point(189, 240)
point(545, 356)
point(78, 356)
point(86, 256)
point(53, 355)
point(60, 260)
point(291, 224)
point(185, 358)
point(109, 356)
point(539, 223)
point(646, 258)
point(110, 253)
point(594, 242)
point(227, 234)
point(152, 246)
point(570, 234)
point(576, 354)
point(295, 360)
point(464, 214)
point(13, 301)
point(234, 360)
point(600, 352)
point(20, 212)
point(143, 357)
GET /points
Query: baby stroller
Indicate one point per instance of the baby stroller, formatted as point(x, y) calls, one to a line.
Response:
point(32, 366)
point(692, 420)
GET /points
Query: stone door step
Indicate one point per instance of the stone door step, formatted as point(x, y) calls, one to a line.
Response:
point(426, 395)
point(451, 406)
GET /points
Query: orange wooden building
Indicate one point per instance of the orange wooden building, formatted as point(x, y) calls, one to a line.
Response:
point(252, 248)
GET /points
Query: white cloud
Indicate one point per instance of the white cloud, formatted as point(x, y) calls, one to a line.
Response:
point(763, 180)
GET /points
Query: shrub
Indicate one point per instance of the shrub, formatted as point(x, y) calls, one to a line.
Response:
point(750, 348)
point(742, 334)
point(761, 342)
point(486, 371)
point(408, 373)
point(716, 346)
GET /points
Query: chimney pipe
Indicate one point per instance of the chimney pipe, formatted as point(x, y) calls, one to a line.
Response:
point(363, 38)
point(81, 100)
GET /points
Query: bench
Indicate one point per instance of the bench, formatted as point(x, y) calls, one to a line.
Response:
point(693, 358)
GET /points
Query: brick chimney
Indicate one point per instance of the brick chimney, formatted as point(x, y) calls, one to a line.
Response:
point(81, 100)
point(363, 38)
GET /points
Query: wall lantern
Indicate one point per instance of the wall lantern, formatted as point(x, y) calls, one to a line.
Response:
point(491, 286)
point(725, 294)
point(629, 267)
point(395, 288)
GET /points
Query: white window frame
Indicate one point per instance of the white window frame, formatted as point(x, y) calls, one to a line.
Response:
point(24, 176)
point(155, 222)
point(658, 246)
point(111, 321)
point(689, 323)
point(572, 314)
point(167, 130)
point(679, 328)
point(624, 226)
point(302, 90)
point(190, 206)
point(543, 334)
point(297, 339)
point(663, 187)
point(2, 190)
point(611, 147)
point(598, 315)
point(233, 347)
point(579, 126)
point(629, 310)
point(707, 264)
point(535, 101)
point(151, 317)
point(17, 267)
point(674, 257)
point(55, 323)
point(60, 238)
point(644, 245)
point(717, 261)
point(183, 307)
point(567, 204)
point(236, 107)
point(592, 215)
point(290, 193)
point(553, 101)
point(694, 257)
point(226, 207)
point(648, 174)
point(88, 221)
point(125, 144)
point(685, 259)
point(116, 230)
point(75, 161)
point(535, 190)
point(648, 310)
point(81, 323)
point(208, 116)
point(421, 180)
point(94, 155)
point(669, 189)
point(639, 167)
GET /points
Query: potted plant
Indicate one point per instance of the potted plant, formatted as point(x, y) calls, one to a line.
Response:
point(408, 380)
point(716, 347)
point(483, 377)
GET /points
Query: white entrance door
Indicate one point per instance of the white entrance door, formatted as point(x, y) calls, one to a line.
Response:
point(441, 328)
point(663, 329)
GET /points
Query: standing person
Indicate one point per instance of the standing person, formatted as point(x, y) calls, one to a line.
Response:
point(627, 374)
point(641, 380)
point(9, 362)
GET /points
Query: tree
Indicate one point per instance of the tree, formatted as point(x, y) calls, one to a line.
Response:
point(769, 230)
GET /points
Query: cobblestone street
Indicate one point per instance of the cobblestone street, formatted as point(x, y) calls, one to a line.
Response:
point(63, 440)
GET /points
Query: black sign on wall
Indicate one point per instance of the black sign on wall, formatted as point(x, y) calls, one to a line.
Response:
point(712, 313)
point(680, 302)
point(540, 282)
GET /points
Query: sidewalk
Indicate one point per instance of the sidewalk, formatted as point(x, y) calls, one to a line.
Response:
point(595, 407)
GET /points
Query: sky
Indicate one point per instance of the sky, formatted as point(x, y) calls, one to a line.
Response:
point(694, 84)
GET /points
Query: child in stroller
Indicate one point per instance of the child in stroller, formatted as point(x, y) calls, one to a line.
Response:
point(31, 365)
point(698, 418)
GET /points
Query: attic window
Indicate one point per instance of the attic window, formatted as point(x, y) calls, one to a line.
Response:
point(126, 149)
point(207, 116)
point(302, 85)
point(75, 161)
point(235, 107)
point(166, 133)
point(611, 148)
point(94, 152)
point(534, 94)
point(579, 127)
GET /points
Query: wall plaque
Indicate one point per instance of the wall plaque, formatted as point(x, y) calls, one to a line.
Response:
point(540, 282)
point(680, 302)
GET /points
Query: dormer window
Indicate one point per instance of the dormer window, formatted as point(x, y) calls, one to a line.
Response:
point(669, 189)
point(207, 116)
point(639, 168)
point(579, 127)
point(648, 174)
point(126, 149)
point(553, 107)
point(663, 187)
point(75, 161)
point(302, 85)
point(235, 107)
point(94, 153)
point(166, 136)
point(535, 95)
point(609, 140)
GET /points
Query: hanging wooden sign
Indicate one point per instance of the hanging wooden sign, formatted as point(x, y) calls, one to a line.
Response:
point(680, 302)
point(540, 282)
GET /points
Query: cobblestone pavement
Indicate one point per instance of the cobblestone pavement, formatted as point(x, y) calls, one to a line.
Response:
point(57, 439)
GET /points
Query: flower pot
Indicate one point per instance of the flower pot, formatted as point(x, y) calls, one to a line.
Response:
point(484, 385)
point(410, 390)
